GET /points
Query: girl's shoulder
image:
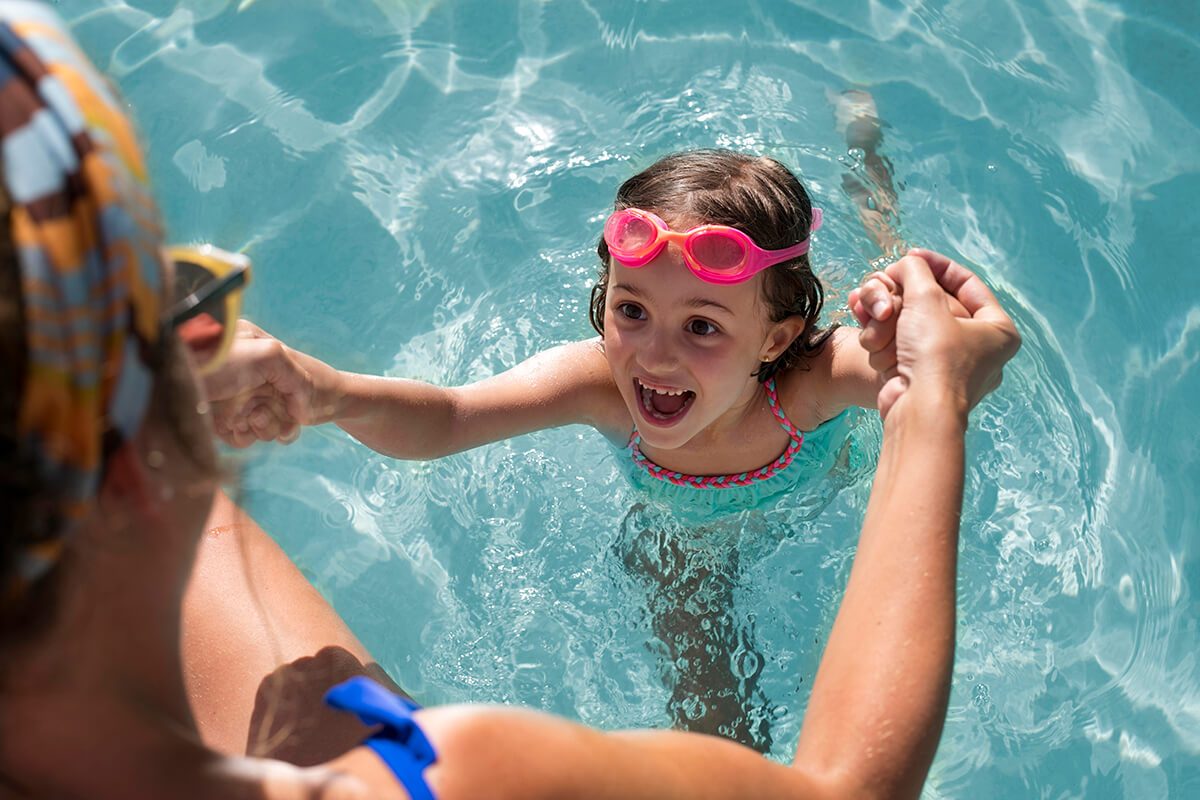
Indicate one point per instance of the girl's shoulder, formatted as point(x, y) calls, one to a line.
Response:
point(582, 371)
point(837, 377)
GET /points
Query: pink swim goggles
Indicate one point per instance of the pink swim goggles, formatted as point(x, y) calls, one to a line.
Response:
point(715, 253)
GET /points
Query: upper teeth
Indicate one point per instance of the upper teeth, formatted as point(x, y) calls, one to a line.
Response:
point(663, 391)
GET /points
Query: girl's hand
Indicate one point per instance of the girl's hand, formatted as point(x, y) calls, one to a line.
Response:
point(958, 356)
point(876, 305)
point(266, 390)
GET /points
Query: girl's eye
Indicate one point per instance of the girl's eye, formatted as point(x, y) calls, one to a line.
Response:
point(631, 311)
point(702, 327)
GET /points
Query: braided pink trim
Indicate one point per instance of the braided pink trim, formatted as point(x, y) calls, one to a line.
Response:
point(736, 479)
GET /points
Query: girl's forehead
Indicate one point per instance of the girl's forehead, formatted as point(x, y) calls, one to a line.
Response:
point(668, 280)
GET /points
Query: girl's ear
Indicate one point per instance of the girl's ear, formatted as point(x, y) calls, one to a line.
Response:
point(780, 337)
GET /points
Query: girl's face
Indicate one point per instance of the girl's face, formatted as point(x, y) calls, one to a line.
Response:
point(683, 351)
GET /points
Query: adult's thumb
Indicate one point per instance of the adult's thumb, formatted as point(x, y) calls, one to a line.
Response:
point(915, 279)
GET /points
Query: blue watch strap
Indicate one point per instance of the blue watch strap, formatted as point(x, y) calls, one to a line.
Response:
point(400, 742)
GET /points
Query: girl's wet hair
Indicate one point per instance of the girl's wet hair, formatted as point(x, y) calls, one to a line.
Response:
point(755, 194)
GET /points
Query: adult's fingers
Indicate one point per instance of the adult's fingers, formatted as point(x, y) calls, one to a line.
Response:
point(916, 280)
point(242, 370)
point(288, 433)
point(267, 420)
point(890, 393)
point(957, 309)
point(964, 285)
point(884, 361)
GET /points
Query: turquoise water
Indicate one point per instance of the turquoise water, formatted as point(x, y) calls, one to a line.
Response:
point(421, 185)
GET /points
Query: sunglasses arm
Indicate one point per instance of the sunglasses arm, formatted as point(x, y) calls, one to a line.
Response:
point(196, 302)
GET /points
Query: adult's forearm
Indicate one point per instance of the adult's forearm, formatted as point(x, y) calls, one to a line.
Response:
point(880, 695)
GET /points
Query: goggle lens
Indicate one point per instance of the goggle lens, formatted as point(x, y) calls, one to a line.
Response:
point(630, 233)
point(718, 252)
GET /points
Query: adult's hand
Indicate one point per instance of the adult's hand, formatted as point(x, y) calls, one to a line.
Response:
point(266, 390)
point(936, 349)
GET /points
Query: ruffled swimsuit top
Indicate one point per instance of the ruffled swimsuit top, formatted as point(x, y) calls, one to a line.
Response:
point(736, 479)
point(723, 493)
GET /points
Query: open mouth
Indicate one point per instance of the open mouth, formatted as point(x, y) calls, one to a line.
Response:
point(663, 406)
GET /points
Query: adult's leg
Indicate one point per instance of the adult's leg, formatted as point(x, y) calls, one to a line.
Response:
point(261, 646)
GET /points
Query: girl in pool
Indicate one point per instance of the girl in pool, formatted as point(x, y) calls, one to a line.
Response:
point(709, 368)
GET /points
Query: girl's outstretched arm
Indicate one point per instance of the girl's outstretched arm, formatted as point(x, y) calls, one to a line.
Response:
point(268, 390)
point(567, 384)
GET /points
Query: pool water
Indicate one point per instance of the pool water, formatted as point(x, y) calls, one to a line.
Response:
point(421, 185)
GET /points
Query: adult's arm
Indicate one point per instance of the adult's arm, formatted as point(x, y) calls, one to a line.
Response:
point(257, 638)
point(880, 694)
point(877, 707)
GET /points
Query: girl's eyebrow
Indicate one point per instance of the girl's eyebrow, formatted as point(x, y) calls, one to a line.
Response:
point(692, 302)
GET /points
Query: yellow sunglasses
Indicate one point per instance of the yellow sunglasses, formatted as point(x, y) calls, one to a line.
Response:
point(207, 301)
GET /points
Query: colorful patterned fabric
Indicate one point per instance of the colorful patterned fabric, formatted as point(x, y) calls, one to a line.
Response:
point(88, 242)
point(727, 481)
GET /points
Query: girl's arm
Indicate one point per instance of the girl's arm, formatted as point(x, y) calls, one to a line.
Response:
point(269, 389)
point(567, 384)
point(845, 373)
point(843, 376)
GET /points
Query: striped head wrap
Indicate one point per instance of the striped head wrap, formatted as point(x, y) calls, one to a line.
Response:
point(88, 242)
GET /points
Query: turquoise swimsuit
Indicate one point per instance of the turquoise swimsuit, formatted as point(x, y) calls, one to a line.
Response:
point(707, 496)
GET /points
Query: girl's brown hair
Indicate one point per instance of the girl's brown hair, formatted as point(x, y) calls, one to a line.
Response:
point(756, 195)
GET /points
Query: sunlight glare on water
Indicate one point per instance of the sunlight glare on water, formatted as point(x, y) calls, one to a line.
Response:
point(421, 185)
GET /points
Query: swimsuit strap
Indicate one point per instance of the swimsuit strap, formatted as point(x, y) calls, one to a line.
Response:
point(400, 742)
point(736, 479)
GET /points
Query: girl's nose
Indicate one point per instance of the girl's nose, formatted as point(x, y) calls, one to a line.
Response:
point(657, 353)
